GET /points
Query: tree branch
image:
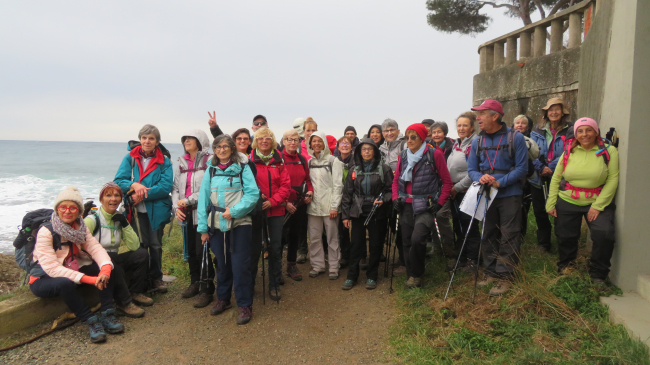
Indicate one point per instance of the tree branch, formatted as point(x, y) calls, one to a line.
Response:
point(538, 4)
point(495, 5)
point(558, 6)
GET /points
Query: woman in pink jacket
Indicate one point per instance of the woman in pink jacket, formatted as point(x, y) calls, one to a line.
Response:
point(67, 254)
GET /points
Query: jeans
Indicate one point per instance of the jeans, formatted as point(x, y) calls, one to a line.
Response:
point(358, 247)
point(416, 229)
point(48, 287)
point(502, 238)
point(233, 264)
point(151, 241)
point(137, 264)
point(195, 250)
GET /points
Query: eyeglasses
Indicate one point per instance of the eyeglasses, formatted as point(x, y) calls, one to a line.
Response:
point(242, 139)
point(265, 139)
point(369, 149)
point(257, 124)
point(413, 137)
point(72, 209)
point(389, 130)
point(292, 140)
point(344, 144)
point(222, 148)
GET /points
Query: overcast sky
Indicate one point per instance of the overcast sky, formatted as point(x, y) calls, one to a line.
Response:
point(98, 71)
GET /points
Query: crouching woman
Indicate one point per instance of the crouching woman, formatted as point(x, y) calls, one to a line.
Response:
point(66, 254)
point(227, 195)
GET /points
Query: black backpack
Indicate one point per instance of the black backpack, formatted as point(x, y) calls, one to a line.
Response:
point(26, 239)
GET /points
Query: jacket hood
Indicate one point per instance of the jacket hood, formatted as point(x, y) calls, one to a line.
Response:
point(367, 135)
point(133, 144)
point(204, 142)
point(326, 152)
point(358, 159)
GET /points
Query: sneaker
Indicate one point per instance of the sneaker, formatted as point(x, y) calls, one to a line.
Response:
point(486, 281)
point(191, 290)
point(363, 264)
point(348, 284)
point(343, 263)
point(141, 300)
point(97, 333)
point(274, 294)
point(109, 322)
point(371, 284)
point(159, 286)
point(334, 275)
point(220, 307)
point(245, 315)
point(130, 310)
point(400, 270)
point(302, 258)
point(501, 287)
point(203, 300)
point(314, 273)
point(293, 272)
point(413, 282)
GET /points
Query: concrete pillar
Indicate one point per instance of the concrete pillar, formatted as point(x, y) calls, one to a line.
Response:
point(489, 62)
point(524, 45)
point(575, 29)
point(511, 50)
point(483, 60)
point(557, 30)
point(540, 41)
point(498, 54)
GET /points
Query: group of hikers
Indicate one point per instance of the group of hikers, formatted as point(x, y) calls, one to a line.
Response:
point(244, 196)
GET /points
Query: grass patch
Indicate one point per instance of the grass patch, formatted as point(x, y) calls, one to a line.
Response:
point(544, 319)
point(173, 262)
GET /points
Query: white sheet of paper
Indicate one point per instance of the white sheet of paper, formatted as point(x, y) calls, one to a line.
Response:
point(468, 204)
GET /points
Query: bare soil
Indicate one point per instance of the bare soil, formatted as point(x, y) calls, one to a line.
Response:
point(315, 323)
point(10, 274)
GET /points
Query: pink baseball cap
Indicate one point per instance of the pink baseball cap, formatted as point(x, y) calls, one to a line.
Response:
point(490, 104)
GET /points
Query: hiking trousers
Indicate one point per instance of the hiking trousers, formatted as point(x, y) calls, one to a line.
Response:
point(295, 232)
point(358, 246)
point(416, 229)
point(316, 251)
point(542, 218)
point(446, 238)
point(232, 249)
point(195, 253)
point(137, 264)
point(461, 224)
point(502, 237)
point(567, 231)
point(274, 248)
point(152, 242)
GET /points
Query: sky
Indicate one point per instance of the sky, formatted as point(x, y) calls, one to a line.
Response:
point(99, 71)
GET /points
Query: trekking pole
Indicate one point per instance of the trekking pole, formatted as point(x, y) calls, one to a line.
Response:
point(460, 225)
point(202, 265)
point(462, 248)
point(374, 208)
point(268, 242)
point(488, 188)
point(263, 268)
point(387, 240)
point(390, 290)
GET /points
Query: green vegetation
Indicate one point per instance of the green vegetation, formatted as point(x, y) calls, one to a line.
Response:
point(545, 319)
point(173, 263)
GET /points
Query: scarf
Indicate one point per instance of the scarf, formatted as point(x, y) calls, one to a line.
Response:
point(77, 236)
point(265, 159)
point(412, 160)
point(224, 166)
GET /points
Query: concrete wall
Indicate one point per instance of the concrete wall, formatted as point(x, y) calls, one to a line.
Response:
point(626, 106)
point(525, 90)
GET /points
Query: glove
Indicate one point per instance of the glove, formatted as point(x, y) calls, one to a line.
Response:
point(119, 217)
point(398, 205)
point(433, 209)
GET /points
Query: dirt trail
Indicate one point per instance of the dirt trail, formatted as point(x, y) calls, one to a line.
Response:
point(315, 323)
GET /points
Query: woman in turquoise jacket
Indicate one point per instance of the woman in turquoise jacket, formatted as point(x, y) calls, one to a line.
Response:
point(227, 196)
point(147, 170)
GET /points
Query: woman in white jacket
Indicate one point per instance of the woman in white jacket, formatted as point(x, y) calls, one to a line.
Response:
point(326, 173)
point(188, 174)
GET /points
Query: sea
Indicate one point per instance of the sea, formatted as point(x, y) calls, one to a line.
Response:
point(32, 173)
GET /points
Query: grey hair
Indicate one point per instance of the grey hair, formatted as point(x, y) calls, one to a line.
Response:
point(500, 119)
point(389, 123)
point(149, 129)
point(234, 155)
point(441, 125)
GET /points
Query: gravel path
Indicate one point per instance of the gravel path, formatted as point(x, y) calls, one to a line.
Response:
point(315, 323)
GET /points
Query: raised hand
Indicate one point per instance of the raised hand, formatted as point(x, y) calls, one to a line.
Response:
point(213, 119)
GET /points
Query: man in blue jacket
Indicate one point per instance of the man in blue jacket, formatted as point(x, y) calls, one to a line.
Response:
point(492, 162)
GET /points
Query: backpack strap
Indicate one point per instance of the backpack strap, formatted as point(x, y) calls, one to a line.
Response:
point(56, 238)
point(97, 226)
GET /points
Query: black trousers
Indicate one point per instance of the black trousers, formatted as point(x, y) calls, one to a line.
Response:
point(416, 229)
point(527, 200)
point(461, 224)
point(152, 242)
point(47, 287)
point(544, 227)
point(567, 231)
point(344, 241)
point(398, 240)
point(136, 263)
point(295, 232)
point(502, 237)
point(358, 247)
point(195, 253)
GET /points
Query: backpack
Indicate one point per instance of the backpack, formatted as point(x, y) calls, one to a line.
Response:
point(302, 162)
point(258, 206)
point(328, 167)
point(26, 239)
point(602, 149)
point(358, 172)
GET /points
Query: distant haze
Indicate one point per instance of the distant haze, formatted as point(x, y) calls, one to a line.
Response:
point(98, 71)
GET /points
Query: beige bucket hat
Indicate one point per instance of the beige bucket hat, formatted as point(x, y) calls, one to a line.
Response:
point(553, 101)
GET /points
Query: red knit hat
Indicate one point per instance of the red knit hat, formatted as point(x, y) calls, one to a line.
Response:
point(331, 143)
point(420, 129)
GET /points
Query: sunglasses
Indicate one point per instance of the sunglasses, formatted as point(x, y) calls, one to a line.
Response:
point(257, 124)
point(72, 209)
point(412, 137)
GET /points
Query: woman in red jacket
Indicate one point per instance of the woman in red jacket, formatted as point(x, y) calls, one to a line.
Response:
point(275, 184)
point(300, 195)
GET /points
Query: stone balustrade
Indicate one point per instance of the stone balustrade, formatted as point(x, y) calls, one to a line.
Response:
point(533, 37)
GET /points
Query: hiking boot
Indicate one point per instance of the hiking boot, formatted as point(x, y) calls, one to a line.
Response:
point(314, 273)
point(599, 283)
point(566, 270)
point(141, 300)
point(293, 272)
point(334, 275)
point(203, 300)
point(109, 322)
point(220, 307)
point(400, 270)
point(343, 263)
point(543, 249)
point(413, 282)
point(191, 290)
point(501, 287)
point(363, 264)
point(245, 315)
point(97, 333)
point(281, 280)
point(471, 267)
point(274, 294)
point(159, 286)
point(348, 284)
point(302, 258)
point(371, 284)
point(486, 281)
point(130, 310)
